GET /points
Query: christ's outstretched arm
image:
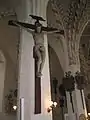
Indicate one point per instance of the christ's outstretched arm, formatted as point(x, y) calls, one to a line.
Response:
point(27, 29)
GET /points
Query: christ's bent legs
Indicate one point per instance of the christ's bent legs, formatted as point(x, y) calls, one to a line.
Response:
point(43, 60)
point(40, 59)
point(38, 63)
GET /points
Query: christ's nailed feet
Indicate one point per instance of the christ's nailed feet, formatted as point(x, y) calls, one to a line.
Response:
point(39, 74)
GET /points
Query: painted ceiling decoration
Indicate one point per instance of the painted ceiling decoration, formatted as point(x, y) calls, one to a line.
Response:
point(75, 13)
point(70, 18)
point(58, 13)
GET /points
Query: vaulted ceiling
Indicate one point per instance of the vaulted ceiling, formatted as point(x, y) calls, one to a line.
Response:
point(9, 3)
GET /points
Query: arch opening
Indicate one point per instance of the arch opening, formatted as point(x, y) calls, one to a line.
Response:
point(57, 41)
point(57, 56)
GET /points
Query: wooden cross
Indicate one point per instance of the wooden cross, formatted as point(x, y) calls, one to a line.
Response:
point(37, 79)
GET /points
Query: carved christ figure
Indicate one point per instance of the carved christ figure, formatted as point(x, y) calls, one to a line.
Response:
point(39, 48)
point(38, 36)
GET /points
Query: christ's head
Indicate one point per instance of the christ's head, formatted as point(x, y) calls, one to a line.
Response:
point(38, 27)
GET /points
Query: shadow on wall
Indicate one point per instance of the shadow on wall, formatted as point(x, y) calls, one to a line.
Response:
point(57, 72)
point(55, 67)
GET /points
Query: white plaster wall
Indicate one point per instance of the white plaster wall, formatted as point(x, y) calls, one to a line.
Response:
point(26, 80)
point(8, 42)
point(26, 75)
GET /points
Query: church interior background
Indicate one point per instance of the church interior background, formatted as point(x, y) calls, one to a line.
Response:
point(64, 52)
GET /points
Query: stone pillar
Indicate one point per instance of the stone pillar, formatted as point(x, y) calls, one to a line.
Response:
point(26, 85)
point(27, 80)
point(26, 74)
point(77, 101)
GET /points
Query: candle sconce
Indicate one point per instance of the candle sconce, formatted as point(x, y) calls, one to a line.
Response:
point(88, 118)
point(11, 102)
point(52, 106)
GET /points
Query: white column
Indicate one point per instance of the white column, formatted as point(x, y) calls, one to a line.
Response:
point(26, 75)
point(46, 93)
point(45, 81)
point(45, 90)
point(27, 78)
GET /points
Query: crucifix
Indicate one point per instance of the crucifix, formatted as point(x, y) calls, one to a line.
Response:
point(37, 30)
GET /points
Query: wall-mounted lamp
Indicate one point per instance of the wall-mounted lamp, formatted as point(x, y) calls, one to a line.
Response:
point(53, 105)
point(11, 102)
point(88, 116)
point(14, 107)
